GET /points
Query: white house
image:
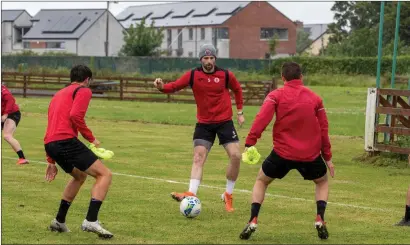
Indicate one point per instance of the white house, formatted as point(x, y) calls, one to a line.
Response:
point(319, 35)
point(14, 24)
point(236, 29)
point(80, 31)
point(188, 25)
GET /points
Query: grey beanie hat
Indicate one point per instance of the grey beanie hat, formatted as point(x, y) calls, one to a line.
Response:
point(207, 50)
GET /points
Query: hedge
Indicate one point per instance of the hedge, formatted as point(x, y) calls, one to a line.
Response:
point(348, 65)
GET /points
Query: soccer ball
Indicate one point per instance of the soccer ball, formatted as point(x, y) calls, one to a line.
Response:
point(190, 207)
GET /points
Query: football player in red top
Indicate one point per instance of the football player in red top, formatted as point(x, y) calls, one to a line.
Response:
point(66, 114)
point(210, 85)
point(301, 142)
point(10, 118)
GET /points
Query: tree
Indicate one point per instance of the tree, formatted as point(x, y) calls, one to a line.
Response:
point(142, 40)
point(356, 28)
point(273, 43)
point(302, 40)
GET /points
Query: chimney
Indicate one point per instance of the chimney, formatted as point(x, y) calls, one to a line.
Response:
point(299, 24)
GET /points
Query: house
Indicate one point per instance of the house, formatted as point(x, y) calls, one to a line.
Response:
point(237, 29)
point(83, 32)
point(14, 24)
point(319, 36)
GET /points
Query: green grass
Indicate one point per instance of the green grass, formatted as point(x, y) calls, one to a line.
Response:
point(152, 144)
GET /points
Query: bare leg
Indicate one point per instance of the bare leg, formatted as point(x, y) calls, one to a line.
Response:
point(70, 192)
point(8, 135)
point(103, 178)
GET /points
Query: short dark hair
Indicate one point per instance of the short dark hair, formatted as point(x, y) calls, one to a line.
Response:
point(291, 71)
point(79, 73)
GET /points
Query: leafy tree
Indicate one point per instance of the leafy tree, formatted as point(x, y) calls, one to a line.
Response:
point(142, 40)
point(302, 40)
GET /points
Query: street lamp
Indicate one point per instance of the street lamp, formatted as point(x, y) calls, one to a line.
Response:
point(106, 36)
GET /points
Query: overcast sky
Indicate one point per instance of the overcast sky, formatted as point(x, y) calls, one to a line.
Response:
point(308, 12)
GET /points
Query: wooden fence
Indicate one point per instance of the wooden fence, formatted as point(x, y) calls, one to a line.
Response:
point(122, 88)
point(395, 103)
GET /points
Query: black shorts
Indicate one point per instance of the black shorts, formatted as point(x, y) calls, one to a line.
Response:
point(225, 130)
point(277, 167)
point(71, 153)
point(15, 116)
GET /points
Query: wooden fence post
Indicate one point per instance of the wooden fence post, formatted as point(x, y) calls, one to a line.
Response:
point(121, 89)
point(25, 87)
point(274, 84)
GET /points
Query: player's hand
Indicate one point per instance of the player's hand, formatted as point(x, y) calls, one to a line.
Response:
point(96, 143)
point(4, 117)
point(241, 120)
point(331, 168)
point(51, 172)
point(158, 83)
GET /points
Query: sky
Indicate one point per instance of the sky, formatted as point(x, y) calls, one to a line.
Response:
point(307, 12)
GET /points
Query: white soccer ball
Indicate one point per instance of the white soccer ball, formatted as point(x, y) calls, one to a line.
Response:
point(190, 207)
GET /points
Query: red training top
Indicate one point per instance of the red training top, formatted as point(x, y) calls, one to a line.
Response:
point(66, 116)
point(211, 94)
point(8, 103)
point(300, 131)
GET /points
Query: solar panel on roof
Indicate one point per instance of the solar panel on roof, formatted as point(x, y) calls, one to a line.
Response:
point(161, 16)
point(126, 18)
point(180, 15)
point(140, 17)
point(65, 25)
point(204, 12)
point(228, 12)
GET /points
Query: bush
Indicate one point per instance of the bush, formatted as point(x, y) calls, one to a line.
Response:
point(346, 65)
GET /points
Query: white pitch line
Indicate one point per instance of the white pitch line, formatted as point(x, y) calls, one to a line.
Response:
point(237, 190)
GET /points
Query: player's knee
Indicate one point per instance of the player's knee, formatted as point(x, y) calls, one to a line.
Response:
point(7, 137)
point(235, 156)
point(322, 180)
point(82, 178)
point(108, 175)
point(199, 158)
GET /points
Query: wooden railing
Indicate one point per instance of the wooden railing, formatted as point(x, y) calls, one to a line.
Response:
point(395, 103)
point(122, 88)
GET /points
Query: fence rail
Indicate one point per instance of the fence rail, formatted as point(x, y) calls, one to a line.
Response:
point(123, 88)
point(396, 106)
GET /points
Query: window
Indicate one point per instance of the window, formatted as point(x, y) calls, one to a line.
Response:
point(268, 33)
point(191, 34)
point(222, 33)
point(202, 33)
point(55, 45)
point(169, 37)
point(190, 54)
point(179, 38)
point(18, 32)
point(307, 29)
point(26, 45)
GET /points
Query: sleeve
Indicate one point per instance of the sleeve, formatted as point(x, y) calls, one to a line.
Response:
point(10, 101)
point(262, 120)
point(179, 84)
point(235, 86)
point(78, 111)
point(324, 126)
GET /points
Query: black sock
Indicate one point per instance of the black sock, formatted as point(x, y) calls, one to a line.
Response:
point(62, 211)
point(20, 154)
point(407, 215)
point(255, 210)
point(93, 210)
point(321, 207)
